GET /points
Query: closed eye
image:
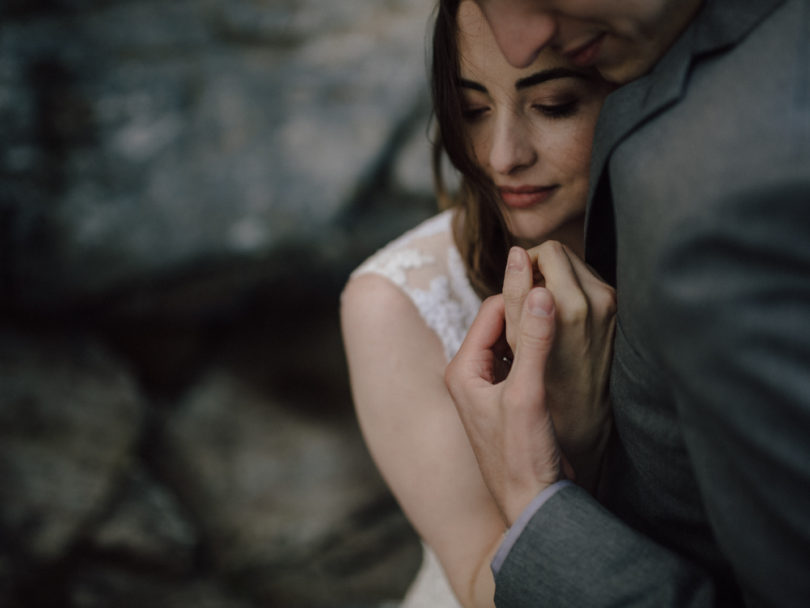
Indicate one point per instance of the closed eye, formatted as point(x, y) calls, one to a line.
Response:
point(473, 114)
point(561, 110)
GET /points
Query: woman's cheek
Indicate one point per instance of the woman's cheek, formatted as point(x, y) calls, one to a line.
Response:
point(481, 150)
point(578, 143)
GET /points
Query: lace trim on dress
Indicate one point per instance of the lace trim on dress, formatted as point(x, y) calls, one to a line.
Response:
point(425, 263)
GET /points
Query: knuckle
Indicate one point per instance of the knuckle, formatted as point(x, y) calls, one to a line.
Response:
point(515, 285)
point(605, 301)
point(538, 339)
point(513, 290)
point(575, 312)
point(550, 248)
point(552, 245)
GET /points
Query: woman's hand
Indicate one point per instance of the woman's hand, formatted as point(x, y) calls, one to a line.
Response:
point(577, 372)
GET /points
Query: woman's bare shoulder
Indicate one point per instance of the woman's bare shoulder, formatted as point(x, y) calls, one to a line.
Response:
point(374, 298)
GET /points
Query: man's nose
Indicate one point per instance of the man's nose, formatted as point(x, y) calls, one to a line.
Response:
point(521, 31)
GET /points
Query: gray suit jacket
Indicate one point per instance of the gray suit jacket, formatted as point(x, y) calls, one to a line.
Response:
point(700, 214)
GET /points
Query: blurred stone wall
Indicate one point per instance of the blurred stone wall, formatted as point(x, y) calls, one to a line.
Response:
point(184, 188)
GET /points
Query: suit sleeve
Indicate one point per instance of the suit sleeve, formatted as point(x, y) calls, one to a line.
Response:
point(733, 301)
point(575, 553)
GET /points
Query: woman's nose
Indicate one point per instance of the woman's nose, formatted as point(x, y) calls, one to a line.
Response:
point(512, 148)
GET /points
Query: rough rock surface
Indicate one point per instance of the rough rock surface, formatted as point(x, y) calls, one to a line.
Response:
point(184, 189)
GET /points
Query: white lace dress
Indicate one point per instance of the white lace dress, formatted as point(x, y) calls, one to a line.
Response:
point(425, 264)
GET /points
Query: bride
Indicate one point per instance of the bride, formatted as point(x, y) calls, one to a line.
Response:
point(521, 140)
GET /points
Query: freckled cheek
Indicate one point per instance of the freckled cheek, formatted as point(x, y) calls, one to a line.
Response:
point(480, 144)
point(570, 154)
point(578, 149)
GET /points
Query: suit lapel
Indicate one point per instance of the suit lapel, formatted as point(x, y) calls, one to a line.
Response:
point(717, 25)
point(624, 111)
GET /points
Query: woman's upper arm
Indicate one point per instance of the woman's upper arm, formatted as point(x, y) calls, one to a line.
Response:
point(396, 366)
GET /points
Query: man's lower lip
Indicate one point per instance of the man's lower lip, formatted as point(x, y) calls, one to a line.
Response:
point(522, 200)
point(586, 56)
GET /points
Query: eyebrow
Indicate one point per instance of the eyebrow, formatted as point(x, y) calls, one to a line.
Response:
point(528, 81)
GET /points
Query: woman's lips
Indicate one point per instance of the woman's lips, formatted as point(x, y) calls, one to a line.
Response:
point(525, 196)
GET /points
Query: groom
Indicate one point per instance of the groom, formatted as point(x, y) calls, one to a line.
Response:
point(700, 216)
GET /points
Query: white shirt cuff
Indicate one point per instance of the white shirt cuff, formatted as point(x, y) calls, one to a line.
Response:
point(513, 533)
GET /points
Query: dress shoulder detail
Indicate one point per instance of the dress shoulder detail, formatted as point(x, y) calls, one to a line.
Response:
point(426, 265)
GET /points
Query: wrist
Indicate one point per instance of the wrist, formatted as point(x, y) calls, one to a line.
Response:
point(587, 464)
point(518, 502)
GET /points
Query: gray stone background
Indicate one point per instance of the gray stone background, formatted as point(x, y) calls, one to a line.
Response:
point(184, 188)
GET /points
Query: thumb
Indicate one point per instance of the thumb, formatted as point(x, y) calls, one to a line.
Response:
point(536, 335)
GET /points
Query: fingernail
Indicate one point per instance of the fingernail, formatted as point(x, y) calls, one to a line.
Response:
point(516, 260)
point(540, 302)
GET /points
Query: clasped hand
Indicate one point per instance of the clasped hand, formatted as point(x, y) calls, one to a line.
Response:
point(549, 417)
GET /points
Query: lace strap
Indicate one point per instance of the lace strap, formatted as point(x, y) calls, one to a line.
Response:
point(425, 264)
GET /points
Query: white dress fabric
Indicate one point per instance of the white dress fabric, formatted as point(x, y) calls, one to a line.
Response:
point(426, 265)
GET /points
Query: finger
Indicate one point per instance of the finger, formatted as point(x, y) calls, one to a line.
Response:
point(517, 282)
point(562, 279)
point(600, 295)
point(474, 360)
point(526, 379)
point(583, 273)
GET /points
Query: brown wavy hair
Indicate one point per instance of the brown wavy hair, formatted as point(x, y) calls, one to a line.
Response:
point(479, 229)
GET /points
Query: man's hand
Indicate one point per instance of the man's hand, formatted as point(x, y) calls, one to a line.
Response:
point(578, 369)
point(508, 423)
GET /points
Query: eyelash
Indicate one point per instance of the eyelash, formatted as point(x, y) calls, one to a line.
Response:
point(562, 110)
point(473, 114)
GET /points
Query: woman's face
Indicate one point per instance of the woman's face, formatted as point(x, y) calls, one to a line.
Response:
point(530, 130)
